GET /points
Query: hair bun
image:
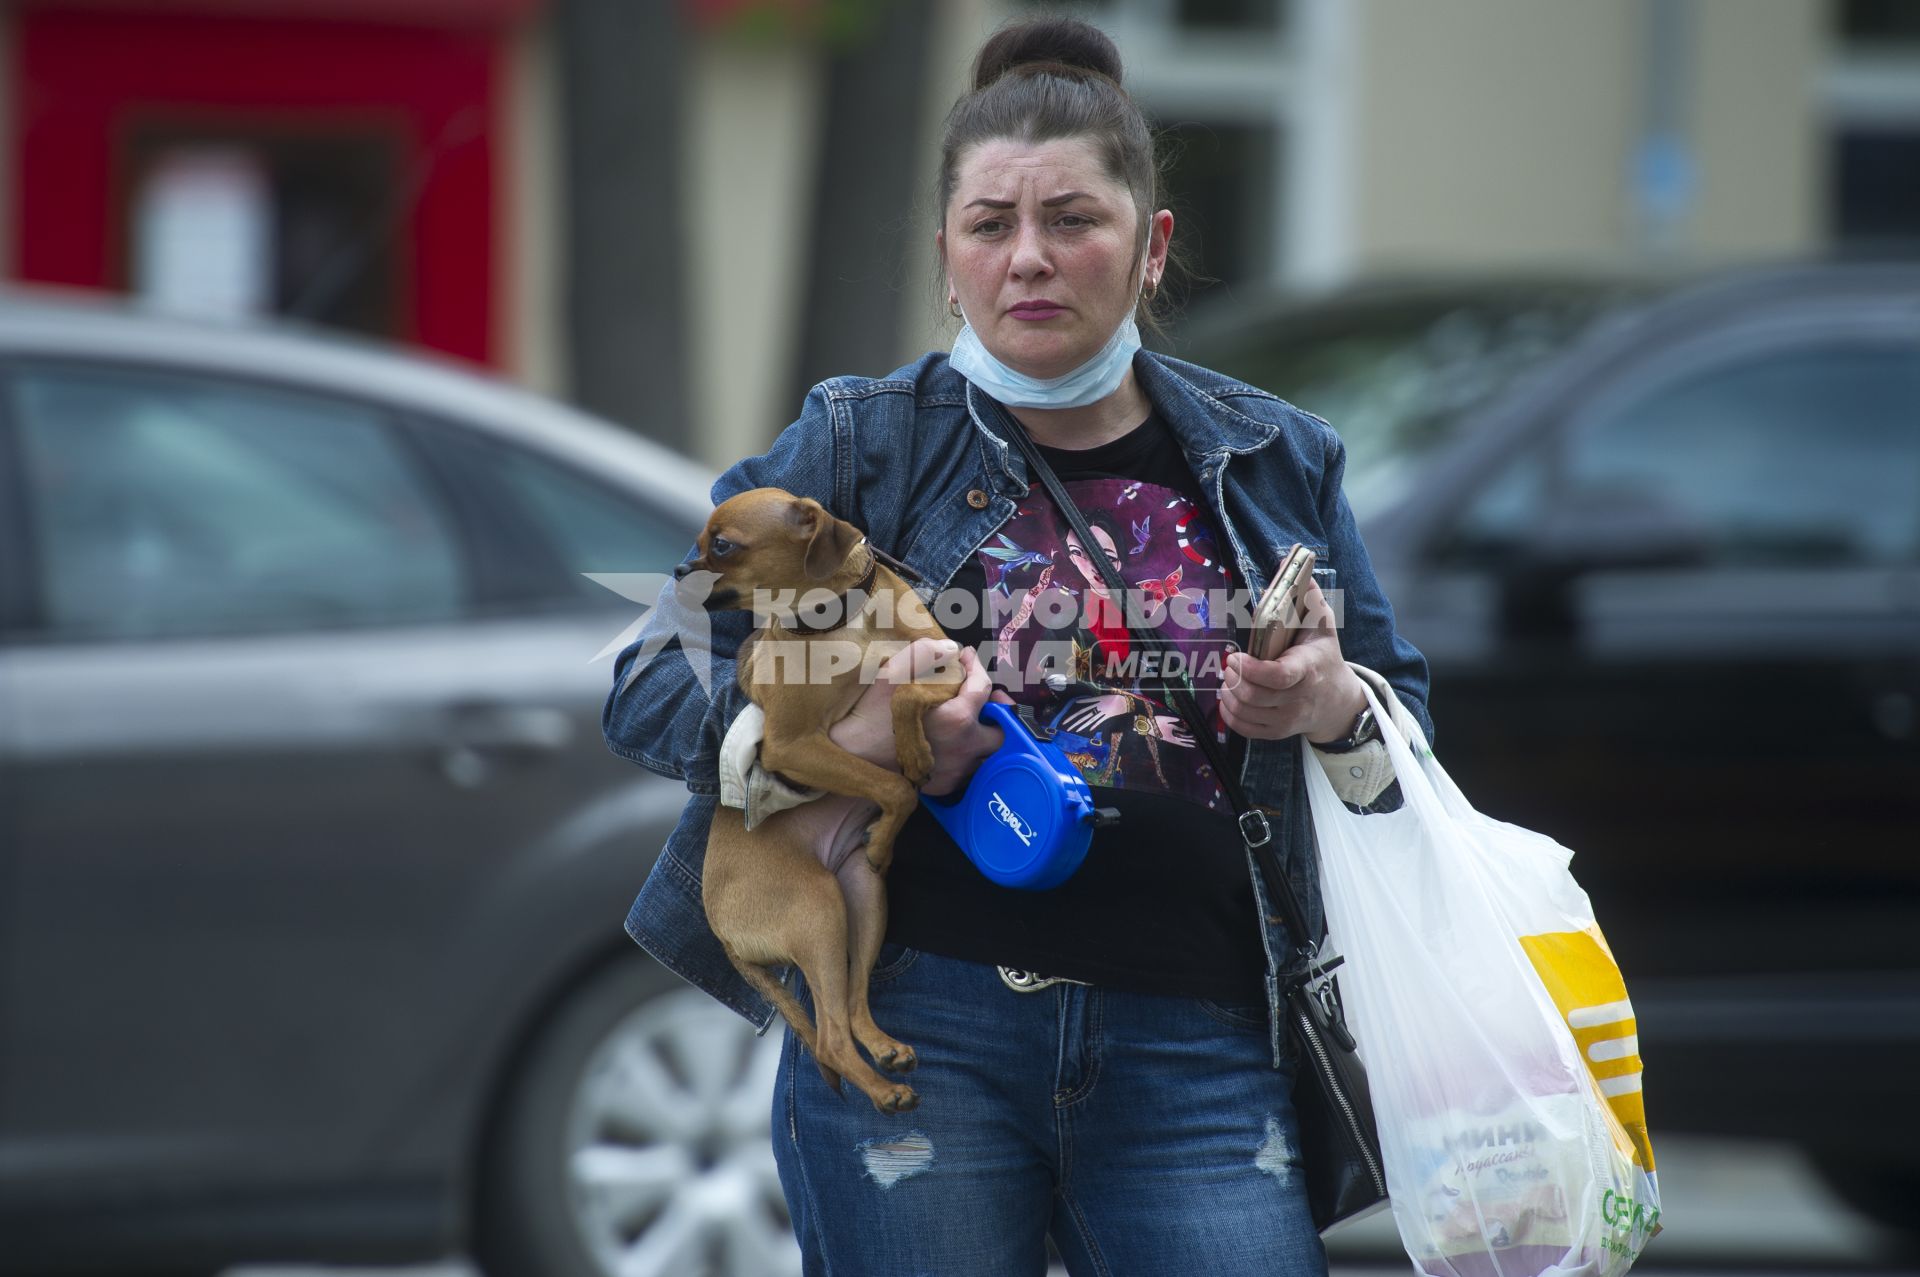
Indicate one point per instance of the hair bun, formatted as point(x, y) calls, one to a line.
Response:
point(1059, 42)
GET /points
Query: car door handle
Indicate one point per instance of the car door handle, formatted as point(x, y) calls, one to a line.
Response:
point(479, 736)
point(513, 729)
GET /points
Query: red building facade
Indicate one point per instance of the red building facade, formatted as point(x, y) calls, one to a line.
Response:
point(337, 161)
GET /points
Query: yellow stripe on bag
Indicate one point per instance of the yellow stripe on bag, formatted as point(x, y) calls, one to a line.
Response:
point(1581, 976)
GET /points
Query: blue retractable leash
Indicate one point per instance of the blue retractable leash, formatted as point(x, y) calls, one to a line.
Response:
point(1027, 816)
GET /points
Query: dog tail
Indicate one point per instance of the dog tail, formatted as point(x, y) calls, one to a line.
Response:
point(789, 1007)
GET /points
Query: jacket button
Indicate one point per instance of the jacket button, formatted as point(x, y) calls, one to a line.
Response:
point(977, 499)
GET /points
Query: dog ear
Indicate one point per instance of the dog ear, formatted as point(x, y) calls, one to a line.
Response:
point(830, 542)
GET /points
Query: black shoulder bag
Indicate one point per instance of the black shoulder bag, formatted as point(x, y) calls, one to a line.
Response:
point(1338, 1142)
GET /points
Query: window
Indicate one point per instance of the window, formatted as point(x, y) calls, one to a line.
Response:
point(1403, 374)
point(1502, 514)
point(235, 222)
point(573, 524)
point(1230, 15)
point(1222, 182)
point(1227, 17)
point(1876, 186)
point(1872, 92)
point(1880, 21)
point(1810, 458)
point(164, 505)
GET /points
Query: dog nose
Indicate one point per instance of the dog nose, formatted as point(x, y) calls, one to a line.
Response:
point(680, 572)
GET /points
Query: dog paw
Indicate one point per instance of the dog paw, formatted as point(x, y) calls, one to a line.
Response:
point(897, 1099)
point(896, 1057)
point(877, 847)
point(916, 764)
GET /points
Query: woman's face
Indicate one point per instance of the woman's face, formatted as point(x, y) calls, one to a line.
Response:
point(1043, 251)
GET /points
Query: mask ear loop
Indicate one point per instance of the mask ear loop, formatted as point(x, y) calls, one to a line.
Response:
point(1146, 254)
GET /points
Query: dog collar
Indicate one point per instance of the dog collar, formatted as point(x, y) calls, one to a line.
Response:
point(863, 586)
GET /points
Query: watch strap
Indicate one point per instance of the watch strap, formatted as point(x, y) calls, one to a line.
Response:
point(1365, 728)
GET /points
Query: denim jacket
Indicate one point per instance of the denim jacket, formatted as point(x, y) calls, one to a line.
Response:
point(908, 458)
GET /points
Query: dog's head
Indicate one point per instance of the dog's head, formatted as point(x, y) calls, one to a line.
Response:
point(768, 539)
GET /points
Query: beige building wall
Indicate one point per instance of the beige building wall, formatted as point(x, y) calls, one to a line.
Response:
point(1757, 126)
point(959, 28)
point(1502, 133)
point(751, 127)
point(1491, 132)
point(532, 243)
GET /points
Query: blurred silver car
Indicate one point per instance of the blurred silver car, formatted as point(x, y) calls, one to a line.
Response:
point(313, 861)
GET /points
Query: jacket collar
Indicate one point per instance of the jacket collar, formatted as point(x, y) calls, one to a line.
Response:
point(1202, 422)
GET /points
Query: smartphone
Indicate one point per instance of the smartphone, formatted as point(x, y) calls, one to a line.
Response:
point(1281, 613)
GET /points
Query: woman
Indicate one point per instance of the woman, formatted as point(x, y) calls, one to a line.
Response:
point(1100, 1063)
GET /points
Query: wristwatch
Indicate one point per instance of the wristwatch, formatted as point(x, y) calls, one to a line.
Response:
point(1364, 730)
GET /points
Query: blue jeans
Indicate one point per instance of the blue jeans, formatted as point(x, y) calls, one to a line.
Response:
point(1144, 1134)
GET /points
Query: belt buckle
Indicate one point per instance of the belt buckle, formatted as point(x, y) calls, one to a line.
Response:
point(1031, 981)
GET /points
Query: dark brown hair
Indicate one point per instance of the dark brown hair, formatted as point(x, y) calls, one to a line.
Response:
point(1051, 78)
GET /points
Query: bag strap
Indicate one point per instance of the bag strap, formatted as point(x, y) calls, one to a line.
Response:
point(1254, 829)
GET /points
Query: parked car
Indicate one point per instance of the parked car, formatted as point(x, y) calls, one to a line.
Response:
point(313, 861)
point(1661, 544)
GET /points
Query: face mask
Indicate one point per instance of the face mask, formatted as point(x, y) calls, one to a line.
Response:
point(1091, 382)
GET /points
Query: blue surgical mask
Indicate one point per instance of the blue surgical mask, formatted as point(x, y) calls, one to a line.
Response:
point(1091, 382)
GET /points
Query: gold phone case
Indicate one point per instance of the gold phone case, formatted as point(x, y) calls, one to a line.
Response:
point(1277, 619)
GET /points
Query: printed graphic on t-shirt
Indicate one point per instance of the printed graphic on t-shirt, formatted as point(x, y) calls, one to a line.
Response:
point(1050, 612)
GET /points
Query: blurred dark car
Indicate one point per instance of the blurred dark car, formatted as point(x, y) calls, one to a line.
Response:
point(313, 860)
point(1661, 543)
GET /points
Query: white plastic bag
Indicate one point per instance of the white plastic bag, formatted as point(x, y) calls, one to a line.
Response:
point(1499, 1043)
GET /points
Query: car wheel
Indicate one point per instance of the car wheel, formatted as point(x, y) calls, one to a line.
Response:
point(635, 1140)
point(1884, 1192)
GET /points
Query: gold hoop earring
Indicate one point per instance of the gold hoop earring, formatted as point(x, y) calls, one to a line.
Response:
point(953, 308)
point(1153, 289)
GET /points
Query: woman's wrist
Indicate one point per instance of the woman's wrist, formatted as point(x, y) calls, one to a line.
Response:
point(864, 740)
point(1337, 724)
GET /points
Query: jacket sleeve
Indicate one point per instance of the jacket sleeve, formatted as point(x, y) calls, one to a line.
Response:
point(674, 687)
point(1367, 634)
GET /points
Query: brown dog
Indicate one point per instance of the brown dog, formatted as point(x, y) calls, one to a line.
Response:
point(774, 896)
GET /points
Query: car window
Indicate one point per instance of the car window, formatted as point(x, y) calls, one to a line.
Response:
point(1399, 380)
point(580, 524)
point(1809, 457)
point(166, 505)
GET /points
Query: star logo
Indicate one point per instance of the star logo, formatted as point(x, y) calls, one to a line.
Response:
point(671, 609)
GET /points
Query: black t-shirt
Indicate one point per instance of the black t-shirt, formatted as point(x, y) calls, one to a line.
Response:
point(1162, 903)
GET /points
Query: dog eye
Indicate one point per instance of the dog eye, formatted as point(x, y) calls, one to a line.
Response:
point(720, 547)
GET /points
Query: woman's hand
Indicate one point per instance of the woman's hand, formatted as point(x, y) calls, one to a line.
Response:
point(956, 735)
point(1306, 689)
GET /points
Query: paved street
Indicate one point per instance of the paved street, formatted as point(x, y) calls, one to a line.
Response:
point(1733, 1209)
point(1729, 1208)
